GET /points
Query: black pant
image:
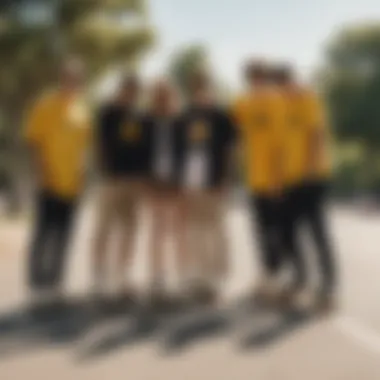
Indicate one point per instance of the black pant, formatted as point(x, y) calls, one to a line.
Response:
point(305, 204)
point(47, 256)
point(268, 224)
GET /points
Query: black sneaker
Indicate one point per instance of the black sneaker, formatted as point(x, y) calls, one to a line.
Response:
point(205, 296)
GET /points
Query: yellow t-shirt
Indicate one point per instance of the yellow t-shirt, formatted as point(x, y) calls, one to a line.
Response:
point(305, 117)
point(260, 117)
point(59, 130)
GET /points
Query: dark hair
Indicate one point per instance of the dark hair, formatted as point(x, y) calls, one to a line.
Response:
point(282, 73)
point(256, 69)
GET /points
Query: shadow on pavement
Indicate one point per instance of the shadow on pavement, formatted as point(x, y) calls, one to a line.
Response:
point(195, 326)
point(125, 331)
point(50, 325)
point(98, 332)
point(274, 327)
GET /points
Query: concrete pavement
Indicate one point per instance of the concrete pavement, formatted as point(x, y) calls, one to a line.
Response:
point(219, 345)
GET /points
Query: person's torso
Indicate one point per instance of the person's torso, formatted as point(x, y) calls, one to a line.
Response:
point(122, 140)
point(63, 144)
point(205, 145)
point(302, 116)
point(258, 119)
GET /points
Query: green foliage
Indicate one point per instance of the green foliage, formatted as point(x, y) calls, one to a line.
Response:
point(352, 83)
point(185, 62)
point(97, 30)
point(104, 33)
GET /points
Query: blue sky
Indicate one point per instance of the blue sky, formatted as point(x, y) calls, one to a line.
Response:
point(233, 30)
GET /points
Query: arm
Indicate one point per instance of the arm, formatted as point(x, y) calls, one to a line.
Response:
point(230, 135)
point(277, 158)
point(317, 138)
point(147, 133)
point(33, 135)
point(88, 146)
point(100, 139)
point(316, 144)
point(179, 151)
point(237, 150)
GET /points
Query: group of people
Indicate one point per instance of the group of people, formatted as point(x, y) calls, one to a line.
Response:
point(178, 158)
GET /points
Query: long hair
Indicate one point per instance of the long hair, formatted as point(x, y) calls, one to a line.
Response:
point(164, 87)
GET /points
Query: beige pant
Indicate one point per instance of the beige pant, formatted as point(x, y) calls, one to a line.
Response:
point(118, 208)
point(167, 223)
point(206, 235)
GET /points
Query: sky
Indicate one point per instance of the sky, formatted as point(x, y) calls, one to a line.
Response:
point(233, 30)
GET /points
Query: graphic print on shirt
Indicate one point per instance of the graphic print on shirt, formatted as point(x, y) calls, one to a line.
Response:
point(198, 132)
point(260, 120)
point(130, 132)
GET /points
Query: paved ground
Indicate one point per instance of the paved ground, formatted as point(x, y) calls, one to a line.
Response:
point(231, 343)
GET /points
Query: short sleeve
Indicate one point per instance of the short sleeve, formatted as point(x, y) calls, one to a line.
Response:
point(229, 127)
point(236, 113)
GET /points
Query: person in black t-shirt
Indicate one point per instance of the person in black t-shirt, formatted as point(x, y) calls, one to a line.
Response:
point(120, 142)
point(207, 138)
point(162, 155)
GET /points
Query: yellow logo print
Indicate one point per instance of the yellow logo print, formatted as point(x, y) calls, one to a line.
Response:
point(260, 119)
point(130, 132)
point(199, 132)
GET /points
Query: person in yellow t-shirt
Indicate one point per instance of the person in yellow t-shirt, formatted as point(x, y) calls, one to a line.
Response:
point(259, 115)
point(57, 133)
point(306, 173)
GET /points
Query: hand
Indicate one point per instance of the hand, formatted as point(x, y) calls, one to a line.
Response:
point(221, 191)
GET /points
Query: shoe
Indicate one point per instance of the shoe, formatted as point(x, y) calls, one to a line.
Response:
point(99, 301)
point(205, 295)
point(304, 299)
point(127, 299)
point(158, 298)
point(159, 301)
point(267, 291)
point(185, 295)
point(287, 296)
point(325, 302)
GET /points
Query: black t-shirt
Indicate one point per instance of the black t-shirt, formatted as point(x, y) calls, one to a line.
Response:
point(209, 128)
point(121, 141)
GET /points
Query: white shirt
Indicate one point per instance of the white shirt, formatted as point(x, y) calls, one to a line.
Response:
point(196, 168)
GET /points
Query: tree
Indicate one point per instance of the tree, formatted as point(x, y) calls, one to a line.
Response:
point(186, 62)
point(36, 34)
point(351, 84)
